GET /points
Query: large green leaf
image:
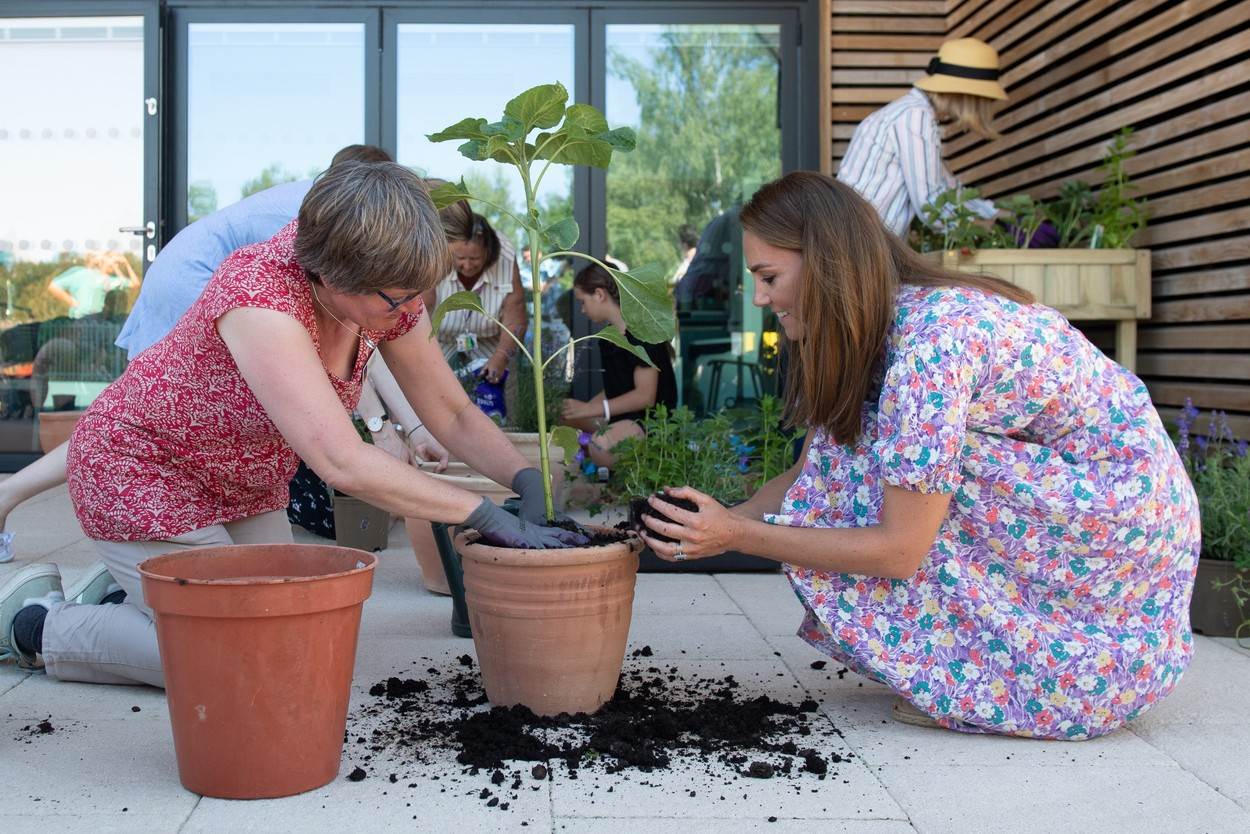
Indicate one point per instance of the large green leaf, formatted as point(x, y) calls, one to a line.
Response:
point(561, 235)
point(566, 438)
point(570, 145)
point(586, 117)
point(645, 304)
point(616, 337)
point(463, 129)
point(449, 193)
point(507, 126)
point(541, 106)
point(460, 301)
point(621, 138)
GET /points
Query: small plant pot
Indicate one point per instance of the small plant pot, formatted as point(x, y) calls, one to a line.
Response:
point(258, 643)
point(1214, 611)
point(550, 626)
point(359, 524)
point(55, 427)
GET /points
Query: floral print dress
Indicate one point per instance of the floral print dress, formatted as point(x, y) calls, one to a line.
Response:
point(1054, 602)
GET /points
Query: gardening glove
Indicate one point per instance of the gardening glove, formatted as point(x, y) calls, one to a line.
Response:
point(528, 483)
point(501, 528)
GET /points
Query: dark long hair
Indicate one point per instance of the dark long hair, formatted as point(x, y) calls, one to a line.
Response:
point(852, 269)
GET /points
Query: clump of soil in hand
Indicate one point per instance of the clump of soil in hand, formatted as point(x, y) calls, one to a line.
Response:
point(657, 720)
point(638, 507)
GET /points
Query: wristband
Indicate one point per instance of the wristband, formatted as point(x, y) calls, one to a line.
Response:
point(607, 411)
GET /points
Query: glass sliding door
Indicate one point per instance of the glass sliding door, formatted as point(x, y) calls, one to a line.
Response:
point(706, 97)
point(78, 194)
point(268, 98)
point(447, 71)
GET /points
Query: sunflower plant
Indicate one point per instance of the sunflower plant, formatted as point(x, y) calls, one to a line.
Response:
point(539, 128)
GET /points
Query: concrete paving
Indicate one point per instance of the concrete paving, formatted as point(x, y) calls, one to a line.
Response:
point(108, 767)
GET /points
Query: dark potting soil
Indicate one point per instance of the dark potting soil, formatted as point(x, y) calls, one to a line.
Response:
point(596, 537)
point(638, 507)
point(658, 720)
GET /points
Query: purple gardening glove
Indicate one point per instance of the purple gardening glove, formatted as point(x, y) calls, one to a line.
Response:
point(501, 528)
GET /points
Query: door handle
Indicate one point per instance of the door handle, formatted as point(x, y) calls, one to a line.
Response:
point(148, 230)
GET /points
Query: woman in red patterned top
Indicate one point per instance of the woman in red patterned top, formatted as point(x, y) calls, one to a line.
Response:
point(194, 444)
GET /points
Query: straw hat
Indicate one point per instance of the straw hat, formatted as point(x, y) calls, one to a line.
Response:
point(966, 65)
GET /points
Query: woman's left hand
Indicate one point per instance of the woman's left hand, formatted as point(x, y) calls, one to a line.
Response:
point(495, 366)
point(575, 410)
point(712, 529)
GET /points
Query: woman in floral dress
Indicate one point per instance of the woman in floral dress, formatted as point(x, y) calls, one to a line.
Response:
point(988, 516)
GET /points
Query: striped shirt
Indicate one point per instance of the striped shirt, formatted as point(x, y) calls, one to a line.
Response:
point(895, 161)
point(493, 285)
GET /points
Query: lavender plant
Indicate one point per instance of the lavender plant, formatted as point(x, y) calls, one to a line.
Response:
point(1219, 467)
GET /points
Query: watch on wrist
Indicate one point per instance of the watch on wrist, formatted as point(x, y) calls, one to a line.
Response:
point(375, 423)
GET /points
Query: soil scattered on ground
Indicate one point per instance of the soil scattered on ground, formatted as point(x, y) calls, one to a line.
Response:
point(435, 724)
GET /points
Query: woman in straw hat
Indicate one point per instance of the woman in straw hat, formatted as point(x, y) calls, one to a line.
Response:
point(895, 156)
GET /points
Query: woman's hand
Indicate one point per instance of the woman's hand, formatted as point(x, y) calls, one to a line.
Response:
point(389, 441)
point(712, 529)
point(578, 410)
point(495, 366)
point(425, 447)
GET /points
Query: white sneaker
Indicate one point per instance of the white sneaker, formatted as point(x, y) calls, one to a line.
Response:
point(93, 586)
point(32, 585)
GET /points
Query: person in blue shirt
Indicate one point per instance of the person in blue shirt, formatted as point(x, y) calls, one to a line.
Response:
point(179, 274)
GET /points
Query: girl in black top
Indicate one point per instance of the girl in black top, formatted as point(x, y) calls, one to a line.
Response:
point(630, 386)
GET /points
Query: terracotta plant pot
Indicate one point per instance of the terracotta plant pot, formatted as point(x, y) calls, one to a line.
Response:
point(550, 625)
point(55, 427)
point(421, 534)
point(426, 548)
point(258, 644)
point(359, 524)
point(1214, 611)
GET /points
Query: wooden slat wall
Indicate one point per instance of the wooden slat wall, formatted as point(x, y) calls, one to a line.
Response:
point(1078, 70)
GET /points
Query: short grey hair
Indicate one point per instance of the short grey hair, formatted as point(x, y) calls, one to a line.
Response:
point(367, 226)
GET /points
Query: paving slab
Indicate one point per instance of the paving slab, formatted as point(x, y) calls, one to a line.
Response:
point(91, 768)
point(697, 825)
point(767, 599)
point(1024, 799)
point(708, 636)
point(373, 804)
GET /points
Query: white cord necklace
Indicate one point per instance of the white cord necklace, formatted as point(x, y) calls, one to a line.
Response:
point(372, 345)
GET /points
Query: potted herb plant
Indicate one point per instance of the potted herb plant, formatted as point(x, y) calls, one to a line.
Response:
point(1219, 466)
point(1090, 272)
point(550, 625)
point(726, 455)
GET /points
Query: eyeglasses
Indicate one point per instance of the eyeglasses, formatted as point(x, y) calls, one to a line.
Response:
point(395, 303)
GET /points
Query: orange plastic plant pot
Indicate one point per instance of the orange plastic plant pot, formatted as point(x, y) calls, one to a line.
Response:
point(258, 643)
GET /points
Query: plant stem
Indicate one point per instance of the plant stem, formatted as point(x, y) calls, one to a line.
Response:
point(536, 343)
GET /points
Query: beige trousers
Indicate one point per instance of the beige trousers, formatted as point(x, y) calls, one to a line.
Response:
point(117, 643)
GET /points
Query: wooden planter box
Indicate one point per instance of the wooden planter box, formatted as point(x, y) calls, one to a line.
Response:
point(1083, 284)
point(1214, 611)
